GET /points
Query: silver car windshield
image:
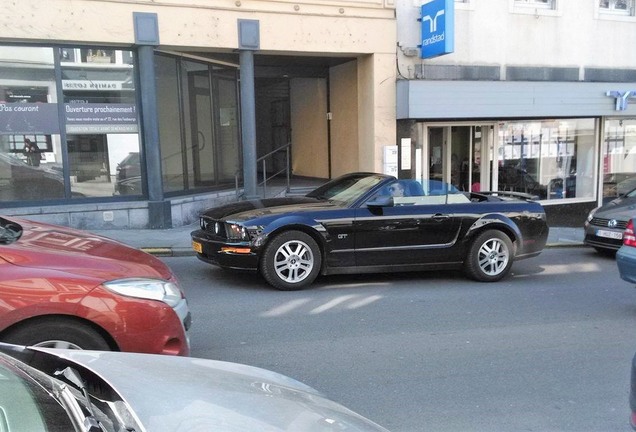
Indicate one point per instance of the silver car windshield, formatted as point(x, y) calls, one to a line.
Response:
point(27, 405)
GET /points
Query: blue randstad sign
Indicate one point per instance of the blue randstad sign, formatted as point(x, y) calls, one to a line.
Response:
point(438, 28)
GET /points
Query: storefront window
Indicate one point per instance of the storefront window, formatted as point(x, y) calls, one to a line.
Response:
point(198, 123)
point(552, 159)
point(172, 161)
point(536, 3)
point(229, 151)
point(101, 122)
point(30, 150)
point(619, 157)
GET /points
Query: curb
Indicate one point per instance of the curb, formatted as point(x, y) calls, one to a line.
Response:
point(565, 245)
point(168, 252)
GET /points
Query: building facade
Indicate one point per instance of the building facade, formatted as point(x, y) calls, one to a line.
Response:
point(139, 114)
point(122, 114)
point(536, 97)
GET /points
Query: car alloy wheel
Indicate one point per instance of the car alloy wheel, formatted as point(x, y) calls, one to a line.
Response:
point(59, 344)
point(291, 261)
point(490, 256)
point(493, 257)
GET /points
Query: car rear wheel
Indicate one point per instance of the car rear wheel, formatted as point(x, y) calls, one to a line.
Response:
point(291, 261)
point(57, 333)
point(490, 256)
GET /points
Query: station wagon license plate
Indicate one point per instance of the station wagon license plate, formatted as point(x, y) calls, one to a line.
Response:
point(198, 247)
point(610, 234)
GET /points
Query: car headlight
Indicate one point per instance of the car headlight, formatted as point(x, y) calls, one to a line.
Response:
point(591, 214)
point(236, 232)
point(151, 289)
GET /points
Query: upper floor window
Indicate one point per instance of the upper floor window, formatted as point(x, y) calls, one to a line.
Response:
point(464, 5)
point(535, 7)
point(618, 7)
point(544, 4)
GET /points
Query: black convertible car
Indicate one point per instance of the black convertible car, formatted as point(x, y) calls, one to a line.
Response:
point(366, 222)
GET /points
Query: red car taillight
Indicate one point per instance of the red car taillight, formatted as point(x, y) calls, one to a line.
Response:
point(629, 238)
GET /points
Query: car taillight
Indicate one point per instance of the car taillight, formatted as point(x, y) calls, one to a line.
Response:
point(629, 238)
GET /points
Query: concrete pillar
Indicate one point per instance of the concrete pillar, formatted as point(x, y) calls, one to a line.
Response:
point(249, 41)
point(146, 38)
point(248, 123)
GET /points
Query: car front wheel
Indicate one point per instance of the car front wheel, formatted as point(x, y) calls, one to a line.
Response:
point(291, 261)
point(490, 256)
point(57, 333)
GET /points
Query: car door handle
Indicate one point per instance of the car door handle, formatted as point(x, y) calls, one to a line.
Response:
point(440, 217)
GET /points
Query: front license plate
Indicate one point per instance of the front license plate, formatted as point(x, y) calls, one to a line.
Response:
point(198, 247)
point(610, 234)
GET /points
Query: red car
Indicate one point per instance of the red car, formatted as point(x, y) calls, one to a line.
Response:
point(61, 287)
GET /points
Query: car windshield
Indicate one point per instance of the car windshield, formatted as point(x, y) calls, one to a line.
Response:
point(347, 189)
point(9, 231)
point(25, 404)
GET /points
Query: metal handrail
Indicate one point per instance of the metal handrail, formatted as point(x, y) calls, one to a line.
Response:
point(286, 169)
point(237, 191)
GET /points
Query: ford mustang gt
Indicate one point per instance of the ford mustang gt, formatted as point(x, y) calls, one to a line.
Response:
point(357, 223)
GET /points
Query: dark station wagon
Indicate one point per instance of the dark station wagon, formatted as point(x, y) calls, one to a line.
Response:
point(605, 225)
point(356, 224)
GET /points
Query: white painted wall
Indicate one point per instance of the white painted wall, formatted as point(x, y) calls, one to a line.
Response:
point(500, 33)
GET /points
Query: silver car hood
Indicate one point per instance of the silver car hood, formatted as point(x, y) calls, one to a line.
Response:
point(172, 394)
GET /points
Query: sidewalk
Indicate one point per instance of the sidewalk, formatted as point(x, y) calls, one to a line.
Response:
point(160, 242)
point(176, 241)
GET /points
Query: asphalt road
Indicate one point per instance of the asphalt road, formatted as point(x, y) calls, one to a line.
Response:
point(547, 349)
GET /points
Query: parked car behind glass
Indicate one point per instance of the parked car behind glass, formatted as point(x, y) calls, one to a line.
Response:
point(70, 288)
point(617, 184)
point(128, 175)
point(69, 390)
point(19, 181)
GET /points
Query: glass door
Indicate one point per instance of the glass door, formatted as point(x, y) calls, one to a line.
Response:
point(202, 131)
point(436, 152)
point(455, 155)
point(460, 156)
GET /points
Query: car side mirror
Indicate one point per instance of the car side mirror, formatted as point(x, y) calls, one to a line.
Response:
point(381, 201)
